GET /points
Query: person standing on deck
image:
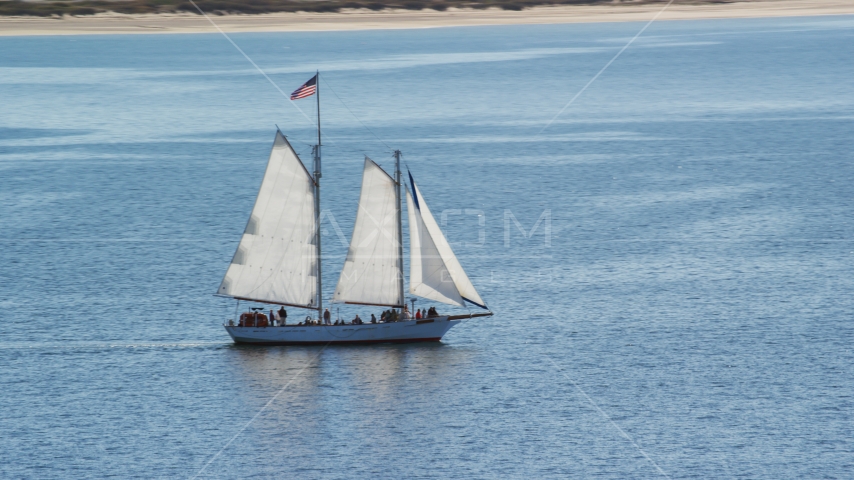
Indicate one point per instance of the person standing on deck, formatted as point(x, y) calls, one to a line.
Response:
point(327, 317)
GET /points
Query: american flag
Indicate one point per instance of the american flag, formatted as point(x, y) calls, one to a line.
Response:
point(307, 89)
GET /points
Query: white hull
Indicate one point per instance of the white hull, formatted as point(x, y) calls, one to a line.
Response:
point(426, 330)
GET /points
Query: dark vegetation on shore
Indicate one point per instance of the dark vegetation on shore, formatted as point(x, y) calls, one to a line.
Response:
point(222, 7)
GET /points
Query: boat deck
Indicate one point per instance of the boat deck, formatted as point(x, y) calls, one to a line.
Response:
point(424, 330)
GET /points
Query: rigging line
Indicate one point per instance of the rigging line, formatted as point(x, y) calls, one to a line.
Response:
point(408, 173)
point(602, 412)
point(262, 408)
point(340, 148)
point(332, 146)
point(605, 67)
point(353, 114)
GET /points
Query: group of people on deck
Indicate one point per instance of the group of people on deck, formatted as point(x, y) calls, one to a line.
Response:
point(280, 317)
point(428, 313)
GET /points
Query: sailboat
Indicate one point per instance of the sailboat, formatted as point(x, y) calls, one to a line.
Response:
point(278, 259)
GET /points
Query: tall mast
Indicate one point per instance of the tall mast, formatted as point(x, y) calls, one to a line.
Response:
point(399, 226)
point(317, 176)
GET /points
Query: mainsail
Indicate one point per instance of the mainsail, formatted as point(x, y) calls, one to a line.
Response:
point(276, 261)
point(372, 270)
point(434, 271)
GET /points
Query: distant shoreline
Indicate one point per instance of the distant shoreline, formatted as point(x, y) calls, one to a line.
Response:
point(363, 19)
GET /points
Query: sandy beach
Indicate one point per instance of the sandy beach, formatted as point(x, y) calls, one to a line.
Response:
point(113, 23)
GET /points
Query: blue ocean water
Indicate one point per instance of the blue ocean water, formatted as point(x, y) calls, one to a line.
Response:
point(683, 308)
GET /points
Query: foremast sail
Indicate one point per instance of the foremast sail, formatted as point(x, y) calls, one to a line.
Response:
point(434, 271)
point(372, 270)
point(277, 258)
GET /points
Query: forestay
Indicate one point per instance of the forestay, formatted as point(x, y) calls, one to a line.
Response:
point(276, 261)
point(371, 270)
point(434, 271)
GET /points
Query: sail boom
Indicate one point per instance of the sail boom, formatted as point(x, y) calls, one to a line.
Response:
point(375, 304)
point(271, 302)
point(470, 315)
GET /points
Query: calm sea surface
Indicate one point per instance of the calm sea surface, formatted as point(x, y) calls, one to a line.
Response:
point(684, 307)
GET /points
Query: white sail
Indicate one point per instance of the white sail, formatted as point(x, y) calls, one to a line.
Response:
point(434, 271)
point(276, 259)
point(371, 270)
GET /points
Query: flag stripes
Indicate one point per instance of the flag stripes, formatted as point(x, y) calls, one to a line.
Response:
point(307, 89)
